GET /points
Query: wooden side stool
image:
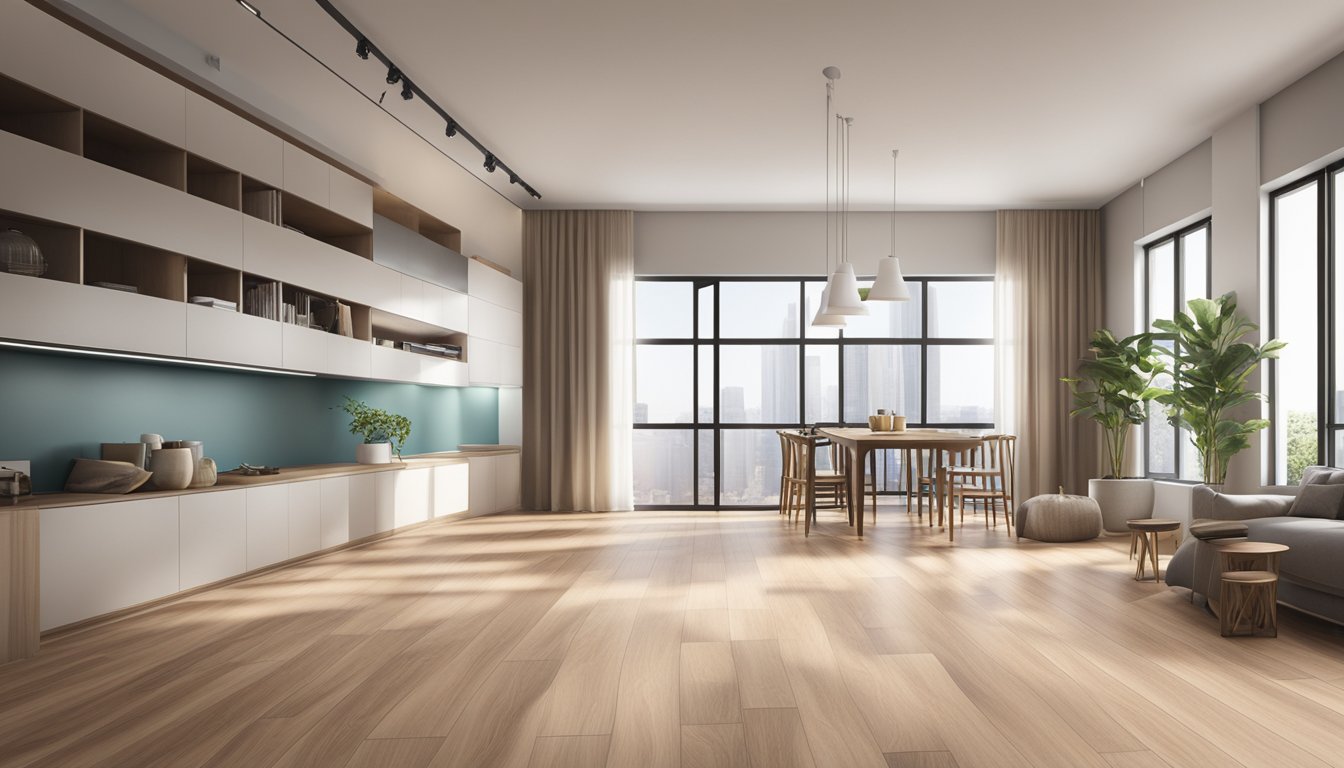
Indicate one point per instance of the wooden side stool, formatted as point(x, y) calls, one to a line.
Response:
point(1250, 603)
point(1146, 533)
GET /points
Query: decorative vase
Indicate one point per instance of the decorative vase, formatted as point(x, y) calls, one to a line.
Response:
point(1122, 501)
point(206, 474)
point(897, 423)
point(196, 446)
point(373, 453)
point(19, 254)
point(172, 468)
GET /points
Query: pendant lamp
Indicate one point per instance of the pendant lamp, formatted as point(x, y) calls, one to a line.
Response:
point(824, 318)
point(890, 283)
point(843, 289)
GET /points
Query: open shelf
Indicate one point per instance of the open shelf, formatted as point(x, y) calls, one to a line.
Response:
point(261, 297)
point(213, 182)
point(151, 271)
point(60, 244)
point(390, 206)
point(114, 144)
point(321, 224)
point(214, 281)
point(398, 330)
point(34, 115)
point(260, 200)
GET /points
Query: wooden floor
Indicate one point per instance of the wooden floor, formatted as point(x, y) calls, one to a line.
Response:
point(683, 639)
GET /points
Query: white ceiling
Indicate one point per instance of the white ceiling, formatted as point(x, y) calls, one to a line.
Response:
point(716, 104)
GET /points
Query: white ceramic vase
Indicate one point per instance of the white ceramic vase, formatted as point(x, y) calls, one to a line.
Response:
point(206, 475)
point(173, 468)
point(1122, 501)
point(373, 453)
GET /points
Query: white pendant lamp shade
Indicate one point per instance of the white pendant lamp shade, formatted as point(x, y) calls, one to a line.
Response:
point(842, 292)
point(890, 283)
point(823, 320)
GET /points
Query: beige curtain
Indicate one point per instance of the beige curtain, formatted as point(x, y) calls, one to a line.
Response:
point(578, 285)
point(1048, 302)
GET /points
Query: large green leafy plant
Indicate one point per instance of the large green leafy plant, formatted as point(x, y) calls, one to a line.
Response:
point(1113, 387)
point(376, 425)
point(1211, 365)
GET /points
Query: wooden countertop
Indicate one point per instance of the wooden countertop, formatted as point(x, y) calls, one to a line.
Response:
point(228, 480)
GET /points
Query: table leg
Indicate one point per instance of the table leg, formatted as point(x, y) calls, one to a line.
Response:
point(856, 484)
point(945, 502)
point(810, 497)
point(1157, 572)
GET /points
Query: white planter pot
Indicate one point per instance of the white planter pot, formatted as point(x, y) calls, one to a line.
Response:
point(1122, 501)
point(373, 453)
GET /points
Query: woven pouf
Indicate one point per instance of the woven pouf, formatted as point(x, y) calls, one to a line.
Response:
point(1057, 517)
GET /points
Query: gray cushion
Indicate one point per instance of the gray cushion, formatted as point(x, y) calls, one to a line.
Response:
point(1322, 476)
point(1316, 500)
point(1208, 530)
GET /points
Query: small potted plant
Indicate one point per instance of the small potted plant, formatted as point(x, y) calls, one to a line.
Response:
point(384, 433)
point(1113, 388)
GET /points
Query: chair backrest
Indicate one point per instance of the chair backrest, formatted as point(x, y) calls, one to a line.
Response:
point(1004, 450)
point(796, 449)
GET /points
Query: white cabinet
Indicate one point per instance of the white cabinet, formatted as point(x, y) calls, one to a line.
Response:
point(212, 536)
point(305, 517)
point(348, 356)
point(492, 363)
point(217, 134)
point(232, 337)
point(267, 525)
point(508, 477)
point(451, 489)
point(363, 505)
point(385, 501)
point(304, 349)
point(494, 286)
point(510, 366)
point(395, 364)
point(307, 176)
point(444, 373)
point(35, 309)
point(290, 257)
point(351, 198)
point(412, 302)
point(413, 496)
point(456, 311)
point(335, 514)
point(481, 493)
point(104, 557)
point(493, 322)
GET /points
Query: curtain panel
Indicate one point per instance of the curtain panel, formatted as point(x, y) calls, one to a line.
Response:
point(1048, 303)
point(578, 330)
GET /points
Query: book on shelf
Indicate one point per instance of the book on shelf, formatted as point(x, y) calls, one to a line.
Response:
point(263, 204)
point(263, 300)
point(449, 351)
point(345, 324)
point(210, 301)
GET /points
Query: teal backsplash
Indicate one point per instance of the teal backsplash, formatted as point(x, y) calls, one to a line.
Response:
point(57, 407)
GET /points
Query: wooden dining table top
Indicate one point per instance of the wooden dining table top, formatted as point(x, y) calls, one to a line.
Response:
point(910, 438)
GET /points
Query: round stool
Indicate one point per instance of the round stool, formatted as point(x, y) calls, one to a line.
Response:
point(1250, 603)
point(1249, 555)
point(1143, 535)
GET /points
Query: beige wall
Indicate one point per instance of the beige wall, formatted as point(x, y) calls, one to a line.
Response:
point(1302, 126)
point(724, 243)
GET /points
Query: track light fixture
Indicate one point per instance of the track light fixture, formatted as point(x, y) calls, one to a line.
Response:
point(406, 92)
point(362, 49)
point(450, 130)
point(490, 162)
point(250, 8)
point(393, 75)
point(513, 178)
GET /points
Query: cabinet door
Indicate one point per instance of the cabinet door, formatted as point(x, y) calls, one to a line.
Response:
point(385, 502)
point(212, 536)
point(335, 493)
point(304, 349)
point(508, 475)
point(267, 525)
point(494, 286)
point(451, 494)
point(307, 176)
point(305, 517)
point(349, 356)
point(232, 337)
point(103, 557)
point(484, 364)
point(363, 505)
point(391, 364)
point(481, 493)
point(351, 198)
point(510, 365)
point(232, 141)
point(414, 491)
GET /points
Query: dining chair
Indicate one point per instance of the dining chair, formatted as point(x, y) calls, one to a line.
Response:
point(991, 481)
point(798, 467)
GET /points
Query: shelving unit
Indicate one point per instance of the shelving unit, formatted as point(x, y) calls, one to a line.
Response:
point(153, 271)
point(321, 224)
point(35, 115)
point(213, 182)
point(214, 281)
point(398, 329)
point(390, 206)
point(60, 244)
point(114, 144)
point(260, 200)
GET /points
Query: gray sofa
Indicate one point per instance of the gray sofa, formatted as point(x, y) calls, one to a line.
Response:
point(1311, 572)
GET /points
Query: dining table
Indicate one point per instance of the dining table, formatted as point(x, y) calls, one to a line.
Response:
point(858, 442)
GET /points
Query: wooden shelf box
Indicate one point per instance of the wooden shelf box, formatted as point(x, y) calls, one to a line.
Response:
point(213, 182)
point(34, 115)
point(321, 224)
point(60, 244)
point(129, 150)
point(153, 271)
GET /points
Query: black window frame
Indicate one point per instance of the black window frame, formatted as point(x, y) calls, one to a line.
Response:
point(1177, 240)
point(800, 342)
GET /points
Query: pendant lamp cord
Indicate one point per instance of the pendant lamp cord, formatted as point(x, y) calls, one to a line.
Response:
point(829, 86)
point(894, 153)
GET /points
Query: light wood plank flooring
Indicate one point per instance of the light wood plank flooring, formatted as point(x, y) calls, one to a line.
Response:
point(682, 639)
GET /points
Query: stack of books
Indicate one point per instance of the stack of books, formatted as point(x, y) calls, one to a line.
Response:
point(263, 204)
point(263, 300)
point(210, 301)
point(449, 351)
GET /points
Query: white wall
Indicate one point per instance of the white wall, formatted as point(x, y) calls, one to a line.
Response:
point(794, 243)
point(1302, 126)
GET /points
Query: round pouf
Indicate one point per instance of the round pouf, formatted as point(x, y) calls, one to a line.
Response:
point(1059, 517)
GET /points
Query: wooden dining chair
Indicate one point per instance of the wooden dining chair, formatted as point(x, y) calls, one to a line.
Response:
point(992, 482)
point(798, 468)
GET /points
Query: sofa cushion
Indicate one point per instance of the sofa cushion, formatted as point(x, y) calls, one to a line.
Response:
point(1322, 476)
point(1208, 530)
point(1323, 501)
point(1314, 549)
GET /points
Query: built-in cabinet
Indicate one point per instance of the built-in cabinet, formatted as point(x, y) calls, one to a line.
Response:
point(496, 312)
point(100, 558)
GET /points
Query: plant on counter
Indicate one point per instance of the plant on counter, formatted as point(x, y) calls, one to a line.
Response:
point(1211, 367)
point(376, 425)
point(1113, 388)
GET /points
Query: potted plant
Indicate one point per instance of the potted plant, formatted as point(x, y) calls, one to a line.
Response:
point(1113, 388)
point(1210, 367)
point(383, 432)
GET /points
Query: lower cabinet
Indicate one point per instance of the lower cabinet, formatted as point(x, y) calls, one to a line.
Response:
point(414, 496)
point(508, 477)
point(267, 525)
point(451, 484)
point(362, 505)
point(212, 537)
point(305, 517)
point(335, 495)
point(481, 493)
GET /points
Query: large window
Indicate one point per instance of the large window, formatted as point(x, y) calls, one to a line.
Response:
point(722, 363)
point(1176, 270)
point(1306, 403)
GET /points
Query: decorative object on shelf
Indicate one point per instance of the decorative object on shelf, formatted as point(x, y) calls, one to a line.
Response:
point(824, 317)
point(1210, 366)
point(172, 468)
point(133, 453)
point(383, 432)
point(152, 443)
point(206, 474)
point(97, 476)
point(890, 283)
point(14, 483)
point(196, 447)
point(20, 254)
point(253, 471)
point(1113, 388)
point(116, 286)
